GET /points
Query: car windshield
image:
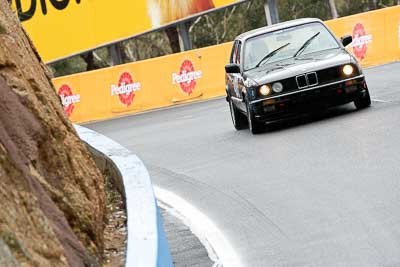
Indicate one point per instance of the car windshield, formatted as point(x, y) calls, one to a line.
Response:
point(318, 37)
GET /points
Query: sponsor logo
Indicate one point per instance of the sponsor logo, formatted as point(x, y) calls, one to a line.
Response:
point(360, 41)
point(187, 77)
point(126, 88)
point(68, 99)
point(28, 9)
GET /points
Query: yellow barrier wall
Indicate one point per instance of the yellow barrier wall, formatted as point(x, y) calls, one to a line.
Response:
point(199, 74)
point(144, 85)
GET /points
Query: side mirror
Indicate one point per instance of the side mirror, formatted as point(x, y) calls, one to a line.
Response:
point(232, 68)
point(346, 40)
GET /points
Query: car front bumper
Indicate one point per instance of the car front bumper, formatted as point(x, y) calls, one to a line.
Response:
point(293, 103)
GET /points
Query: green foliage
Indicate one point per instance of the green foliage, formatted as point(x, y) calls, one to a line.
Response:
point(295, 9)
point(68, 66)
point(223, 25)
point(356, 6)
point(78, 64)
point(153, 44)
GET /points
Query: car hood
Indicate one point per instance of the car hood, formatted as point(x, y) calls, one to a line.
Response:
point(295, 66)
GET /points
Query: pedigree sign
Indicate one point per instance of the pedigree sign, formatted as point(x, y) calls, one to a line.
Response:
point(187, 77)
point(61, 28)
point(361, 40)
point(125, 89)
point(68, 99)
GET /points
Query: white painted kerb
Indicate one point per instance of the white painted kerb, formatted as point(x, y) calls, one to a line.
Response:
point(147, 245)
point(218, 247)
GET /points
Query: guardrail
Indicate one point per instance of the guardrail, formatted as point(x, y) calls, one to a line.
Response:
point(147, 245)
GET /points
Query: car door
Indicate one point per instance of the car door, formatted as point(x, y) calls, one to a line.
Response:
point(238, 83)
point(234, 81)
point(230, 77)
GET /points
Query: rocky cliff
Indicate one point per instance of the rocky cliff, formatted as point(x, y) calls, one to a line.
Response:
point(51, 193)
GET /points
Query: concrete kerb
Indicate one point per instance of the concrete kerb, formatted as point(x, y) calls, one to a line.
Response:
point(218, 247)
point(147, 245)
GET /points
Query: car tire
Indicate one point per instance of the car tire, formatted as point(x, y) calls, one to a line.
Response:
point(238, 119)
point(363, 102)
point(254, 126)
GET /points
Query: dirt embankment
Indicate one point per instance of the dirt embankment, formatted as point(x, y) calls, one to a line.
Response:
point(51, 194)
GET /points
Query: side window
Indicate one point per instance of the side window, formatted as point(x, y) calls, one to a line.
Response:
point(234, 53)
point(238, 59)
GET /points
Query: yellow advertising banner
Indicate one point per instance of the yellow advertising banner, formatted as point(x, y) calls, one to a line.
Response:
point(199, 74)
point(61, 28)
point(144, 85)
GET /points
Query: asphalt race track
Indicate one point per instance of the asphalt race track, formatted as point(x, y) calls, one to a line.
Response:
point(318, 191)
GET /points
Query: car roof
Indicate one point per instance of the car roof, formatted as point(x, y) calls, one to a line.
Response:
point(275, 27)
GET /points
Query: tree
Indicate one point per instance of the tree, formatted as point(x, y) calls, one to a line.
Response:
point(373, 4)
point(173, 38)
point(332, 7)
point(91, 62)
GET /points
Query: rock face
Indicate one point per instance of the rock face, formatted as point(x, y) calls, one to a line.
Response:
point(51, 193)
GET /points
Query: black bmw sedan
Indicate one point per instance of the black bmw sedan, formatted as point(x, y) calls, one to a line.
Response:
point(289, 68)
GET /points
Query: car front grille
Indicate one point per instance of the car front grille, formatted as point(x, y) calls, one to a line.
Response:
point(307, 80)
point(312, 79)
point(301, 81)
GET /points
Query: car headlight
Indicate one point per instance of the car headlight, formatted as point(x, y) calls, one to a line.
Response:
point(277, 87)
point(265, 90)
point(348, 70)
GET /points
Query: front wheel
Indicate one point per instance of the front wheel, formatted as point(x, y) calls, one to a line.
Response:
point(254, 126)
point(238, 119)
point(363, 102)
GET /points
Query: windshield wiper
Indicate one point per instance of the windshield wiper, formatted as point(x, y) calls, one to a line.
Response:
point(306, 43)
point(270, 55)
